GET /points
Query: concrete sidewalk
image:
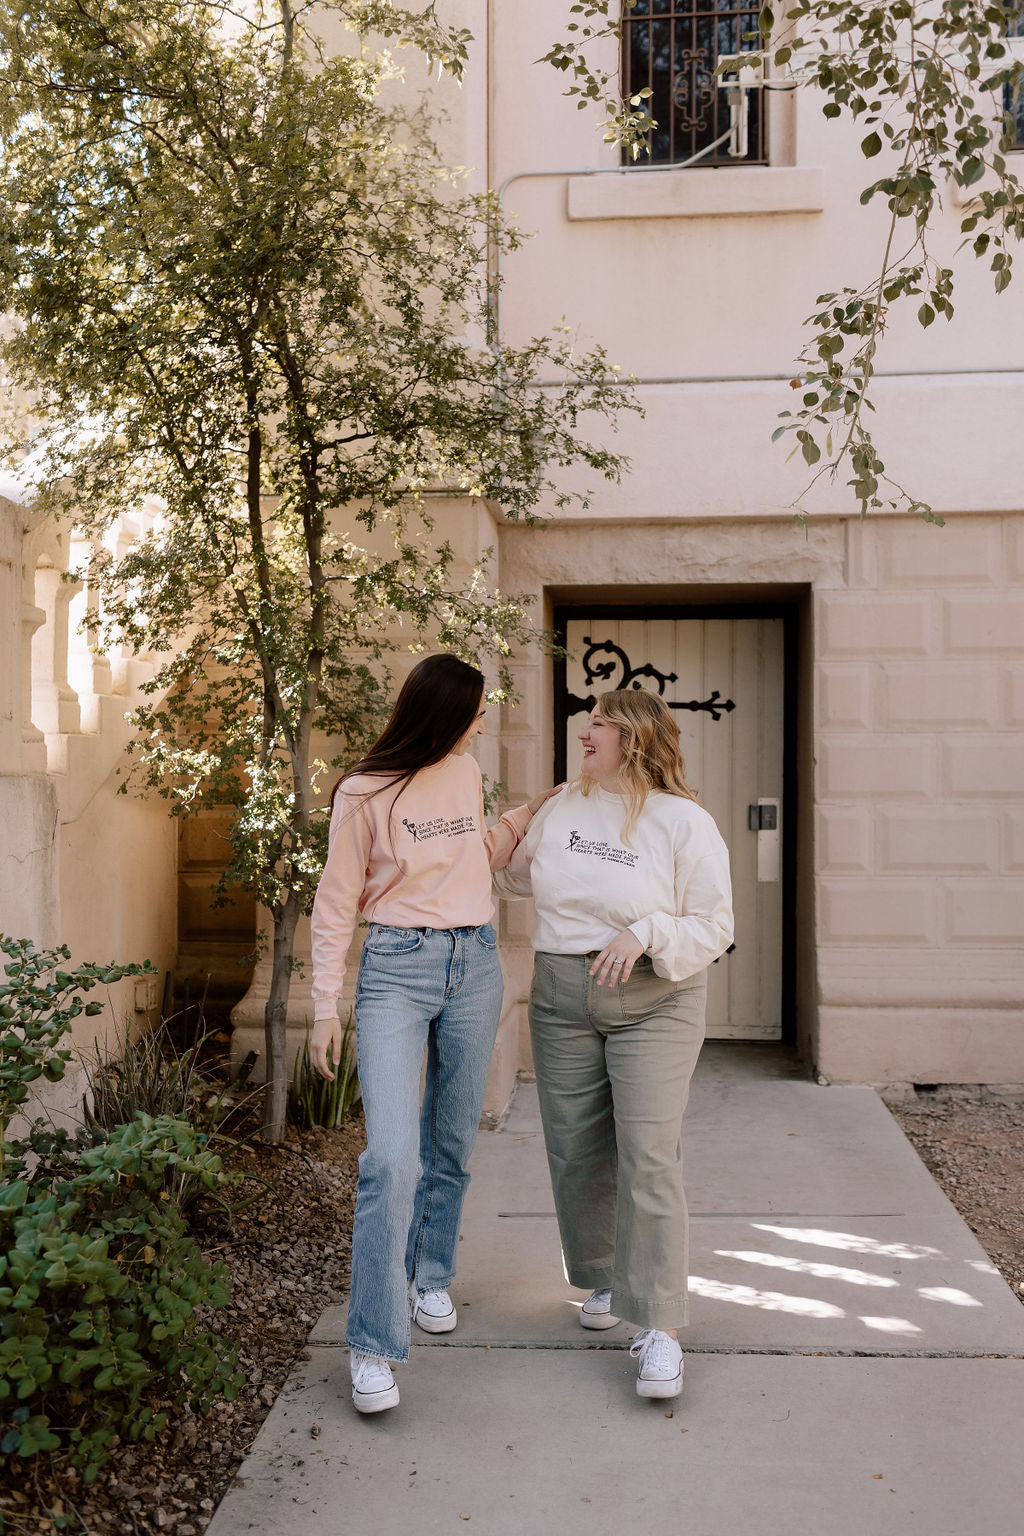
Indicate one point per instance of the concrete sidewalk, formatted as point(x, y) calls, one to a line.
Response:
point(854, 1357)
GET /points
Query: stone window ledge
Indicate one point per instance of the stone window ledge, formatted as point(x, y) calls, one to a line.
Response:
point(698, 194)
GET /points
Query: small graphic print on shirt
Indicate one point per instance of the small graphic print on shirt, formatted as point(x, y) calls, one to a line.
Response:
point(440, 826)
point(601, 850)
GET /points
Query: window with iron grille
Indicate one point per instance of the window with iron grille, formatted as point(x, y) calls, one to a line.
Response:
point(1013, 95)
point(672, 47)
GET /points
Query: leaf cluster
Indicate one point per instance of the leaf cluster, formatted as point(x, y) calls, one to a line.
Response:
point(928, 81)
point(149, 1076)
point(598, 23)
point(40, 998)
point(99, 1276)
point(314, 1100)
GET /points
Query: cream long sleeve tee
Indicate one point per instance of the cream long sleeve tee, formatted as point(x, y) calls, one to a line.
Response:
point(417, 857)
point(670, 886)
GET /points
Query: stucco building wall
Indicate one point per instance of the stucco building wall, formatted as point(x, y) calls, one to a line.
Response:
point(79, 864)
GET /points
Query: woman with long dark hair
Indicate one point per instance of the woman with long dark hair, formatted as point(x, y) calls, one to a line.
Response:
point(409, 851)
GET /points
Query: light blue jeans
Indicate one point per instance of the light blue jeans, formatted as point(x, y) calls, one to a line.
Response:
point(438, 990)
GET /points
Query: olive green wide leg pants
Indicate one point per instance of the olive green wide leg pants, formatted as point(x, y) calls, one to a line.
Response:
point(613, 1070)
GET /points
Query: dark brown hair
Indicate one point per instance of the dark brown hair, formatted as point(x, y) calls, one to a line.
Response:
point(435, 708)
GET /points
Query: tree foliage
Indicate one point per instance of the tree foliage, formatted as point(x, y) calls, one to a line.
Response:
point(927, 81)
point(245, 285)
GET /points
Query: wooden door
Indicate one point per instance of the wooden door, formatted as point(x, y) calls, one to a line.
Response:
point(723, 679)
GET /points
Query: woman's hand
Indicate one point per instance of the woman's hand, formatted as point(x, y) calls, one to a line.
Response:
point(538, 800)
point(616, 960)
point(325, 1040)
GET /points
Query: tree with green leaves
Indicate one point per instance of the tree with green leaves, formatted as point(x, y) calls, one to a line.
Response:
point(245, 290)
point(938, 91)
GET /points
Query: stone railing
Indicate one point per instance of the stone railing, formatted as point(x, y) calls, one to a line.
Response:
point(78, 865)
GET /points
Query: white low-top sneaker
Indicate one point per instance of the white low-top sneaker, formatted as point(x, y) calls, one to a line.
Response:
point(373, 1385)
point(434, 1311)
point(661, 1363)
point(596, 1311)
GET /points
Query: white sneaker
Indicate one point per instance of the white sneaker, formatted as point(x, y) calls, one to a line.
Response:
point(373, 1386)
point(434, 1312)
point(596, 1311)
point(661, 1364)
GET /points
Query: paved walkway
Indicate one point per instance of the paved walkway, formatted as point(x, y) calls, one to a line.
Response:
point(854, 1364)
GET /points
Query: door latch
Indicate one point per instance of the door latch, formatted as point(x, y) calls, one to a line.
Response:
point(763, 818)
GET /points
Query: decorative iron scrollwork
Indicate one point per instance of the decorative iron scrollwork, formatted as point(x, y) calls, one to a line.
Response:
point(693, 89)
point(604, 671)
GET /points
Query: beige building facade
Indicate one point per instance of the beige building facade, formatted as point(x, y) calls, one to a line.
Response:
point(869, 774)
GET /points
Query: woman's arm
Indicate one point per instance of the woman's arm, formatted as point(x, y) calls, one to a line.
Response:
point(683, 943)
point(504, 838)
point(514, 881)
point(335, 911)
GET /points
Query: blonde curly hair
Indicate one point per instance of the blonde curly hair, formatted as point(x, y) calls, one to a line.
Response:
point(651, 758)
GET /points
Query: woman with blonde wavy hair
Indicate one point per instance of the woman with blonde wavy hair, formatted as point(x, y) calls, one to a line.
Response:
point(630, 879)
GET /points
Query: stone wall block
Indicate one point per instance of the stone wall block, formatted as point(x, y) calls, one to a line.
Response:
point(517, 921)
point(519, 767)
point(525, 717)
point(1012, 838)
point(877, 912)
point(983, 765)
point(939, 694)
point(1013, 694)
point(920, 838)
point(989, 622)
point(862, 551)
point(844, 695)
point(920, 1045)
point(892, 624)
point(1014, 541)
point(843, 837)
point(902, 767)
point(984, 911)
point(966, 552)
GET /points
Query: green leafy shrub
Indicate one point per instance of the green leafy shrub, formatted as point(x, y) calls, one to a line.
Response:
point(148, 1076)
point(99, 1276)
point(99, 1281)
point(39, 1001)
point(312, 1100)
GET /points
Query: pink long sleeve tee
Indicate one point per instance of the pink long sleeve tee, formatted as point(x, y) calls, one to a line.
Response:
point(419, 857)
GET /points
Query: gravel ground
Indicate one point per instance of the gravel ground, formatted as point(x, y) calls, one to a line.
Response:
point(972, 1142)
point(289, 1257)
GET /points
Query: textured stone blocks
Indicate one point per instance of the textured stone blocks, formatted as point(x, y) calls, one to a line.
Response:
point(844, 839)
point(983, 622)
point(844, 695)
point(878, 765)
point(1013, 694)
point(519, 767)
point(984, 911)
point(964, 553)
point(1013, 838)
point(984, 765)
point(937, 838)
point(889, 911)
point(921, 1045)
point(862, 623)
point(939, 694)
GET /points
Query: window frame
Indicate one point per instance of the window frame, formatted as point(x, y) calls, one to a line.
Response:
point(716, 104)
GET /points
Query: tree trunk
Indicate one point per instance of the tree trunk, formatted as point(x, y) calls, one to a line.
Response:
point(276, 1098)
